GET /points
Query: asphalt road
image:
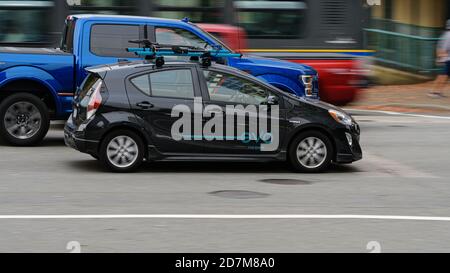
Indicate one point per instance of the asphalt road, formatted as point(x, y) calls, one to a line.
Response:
point(405, 172)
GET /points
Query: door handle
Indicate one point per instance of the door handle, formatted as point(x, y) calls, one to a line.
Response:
point(145, 105)
point(216, 112)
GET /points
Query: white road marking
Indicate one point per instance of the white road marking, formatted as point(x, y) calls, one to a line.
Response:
point(228, 216)
point(398, 114)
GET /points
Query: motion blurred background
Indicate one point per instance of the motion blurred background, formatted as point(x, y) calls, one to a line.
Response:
point(398, 37)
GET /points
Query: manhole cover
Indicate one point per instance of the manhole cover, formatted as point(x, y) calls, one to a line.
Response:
point(398, 126)
point(286, 181)
point(239, 194)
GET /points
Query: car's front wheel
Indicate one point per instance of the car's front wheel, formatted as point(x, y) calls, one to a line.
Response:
point(122, 151)
point(24, 119)
point(311, 152)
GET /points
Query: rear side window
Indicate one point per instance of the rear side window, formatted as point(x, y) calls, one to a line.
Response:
point(88, 85)
point(169, 83)
point(67, 41)
point(112, 40)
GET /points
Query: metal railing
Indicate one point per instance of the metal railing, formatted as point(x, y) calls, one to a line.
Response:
point(407, 52)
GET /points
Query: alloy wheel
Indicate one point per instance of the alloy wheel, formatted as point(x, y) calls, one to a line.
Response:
point(311, 152)
point(122, 151)
point(22, 120)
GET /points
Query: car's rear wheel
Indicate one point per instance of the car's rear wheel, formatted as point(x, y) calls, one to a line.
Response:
point(122, 151)
point(311, 152)
point(24, 119)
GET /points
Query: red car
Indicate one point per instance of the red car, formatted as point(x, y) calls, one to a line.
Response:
point(342, 76)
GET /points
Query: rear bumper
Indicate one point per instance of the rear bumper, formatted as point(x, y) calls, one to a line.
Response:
point(77, 141)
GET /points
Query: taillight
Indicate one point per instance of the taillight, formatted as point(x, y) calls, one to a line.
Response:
point(95, 101)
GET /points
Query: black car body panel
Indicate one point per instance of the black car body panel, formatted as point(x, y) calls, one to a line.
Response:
point(126, 106)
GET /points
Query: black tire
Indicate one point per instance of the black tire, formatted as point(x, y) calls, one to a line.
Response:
point(109, 163)
point(34, 136)
point(317, 165)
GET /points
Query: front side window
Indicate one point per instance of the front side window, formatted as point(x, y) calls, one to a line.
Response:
point(178, 36)
point(228, 88)
point(169, 83)
point(112, 40)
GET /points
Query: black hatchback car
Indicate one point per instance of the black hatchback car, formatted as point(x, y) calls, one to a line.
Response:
point(132, 112)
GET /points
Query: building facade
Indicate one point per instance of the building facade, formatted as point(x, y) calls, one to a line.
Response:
point(404, 33)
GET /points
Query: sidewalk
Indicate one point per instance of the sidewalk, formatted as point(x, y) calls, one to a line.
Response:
point(403, 98)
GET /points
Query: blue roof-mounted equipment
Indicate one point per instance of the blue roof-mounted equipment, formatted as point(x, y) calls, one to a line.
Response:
point(155, 51)
point(186, 20)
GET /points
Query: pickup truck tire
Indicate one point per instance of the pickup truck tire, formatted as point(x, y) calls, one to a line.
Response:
point(24, 119)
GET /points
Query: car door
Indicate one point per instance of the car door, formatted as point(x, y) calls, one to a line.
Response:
point(253, 115)
point(156, 97)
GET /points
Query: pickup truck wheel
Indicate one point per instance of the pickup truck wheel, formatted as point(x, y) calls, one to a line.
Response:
point(311, 152)
point(24, 119)
point(122, 151)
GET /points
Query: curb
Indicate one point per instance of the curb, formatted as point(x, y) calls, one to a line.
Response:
point(426, 107)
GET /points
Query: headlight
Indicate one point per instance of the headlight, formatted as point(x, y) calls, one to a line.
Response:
point(341, 117)
point(308, 83)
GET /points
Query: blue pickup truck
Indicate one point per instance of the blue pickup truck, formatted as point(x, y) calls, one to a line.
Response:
point(38, 84)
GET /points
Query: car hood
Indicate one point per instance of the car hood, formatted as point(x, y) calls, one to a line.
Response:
point(316, 103)
point(253, 62)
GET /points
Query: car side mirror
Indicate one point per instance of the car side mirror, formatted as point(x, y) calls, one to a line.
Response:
point(272, 100)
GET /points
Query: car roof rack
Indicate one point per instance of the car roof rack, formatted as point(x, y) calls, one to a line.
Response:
point(154, 51)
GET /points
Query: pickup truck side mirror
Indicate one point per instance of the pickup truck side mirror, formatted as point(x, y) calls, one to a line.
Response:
point(217, 47)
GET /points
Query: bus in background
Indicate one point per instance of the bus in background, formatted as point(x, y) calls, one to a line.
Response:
point(326, 34)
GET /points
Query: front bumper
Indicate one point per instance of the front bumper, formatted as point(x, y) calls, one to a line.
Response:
point(347, 153)
point(76, 140)
point(349, 158)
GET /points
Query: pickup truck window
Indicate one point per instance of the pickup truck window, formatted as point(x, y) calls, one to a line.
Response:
point(178, 36)
point(112, 40)
point(67, 39)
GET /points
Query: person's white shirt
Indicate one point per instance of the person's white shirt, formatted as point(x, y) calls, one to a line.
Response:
point(444, 45)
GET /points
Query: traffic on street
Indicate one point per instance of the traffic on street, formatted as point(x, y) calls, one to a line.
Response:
point(235, 207)
point(224, 136)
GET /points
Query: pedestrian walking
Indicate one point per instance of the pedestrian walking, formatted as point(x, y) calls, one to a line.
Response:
point(442, 59)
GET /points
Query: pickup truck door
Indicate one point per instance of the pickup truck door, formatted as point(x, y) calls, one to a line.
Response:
point(106, 43)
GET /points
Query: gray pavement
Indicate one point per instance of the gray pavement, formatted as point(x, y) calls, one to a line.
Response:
point(405, 172)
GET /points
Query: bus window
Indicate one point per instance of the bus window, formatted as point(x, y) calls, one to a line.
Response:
point(272, 18)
